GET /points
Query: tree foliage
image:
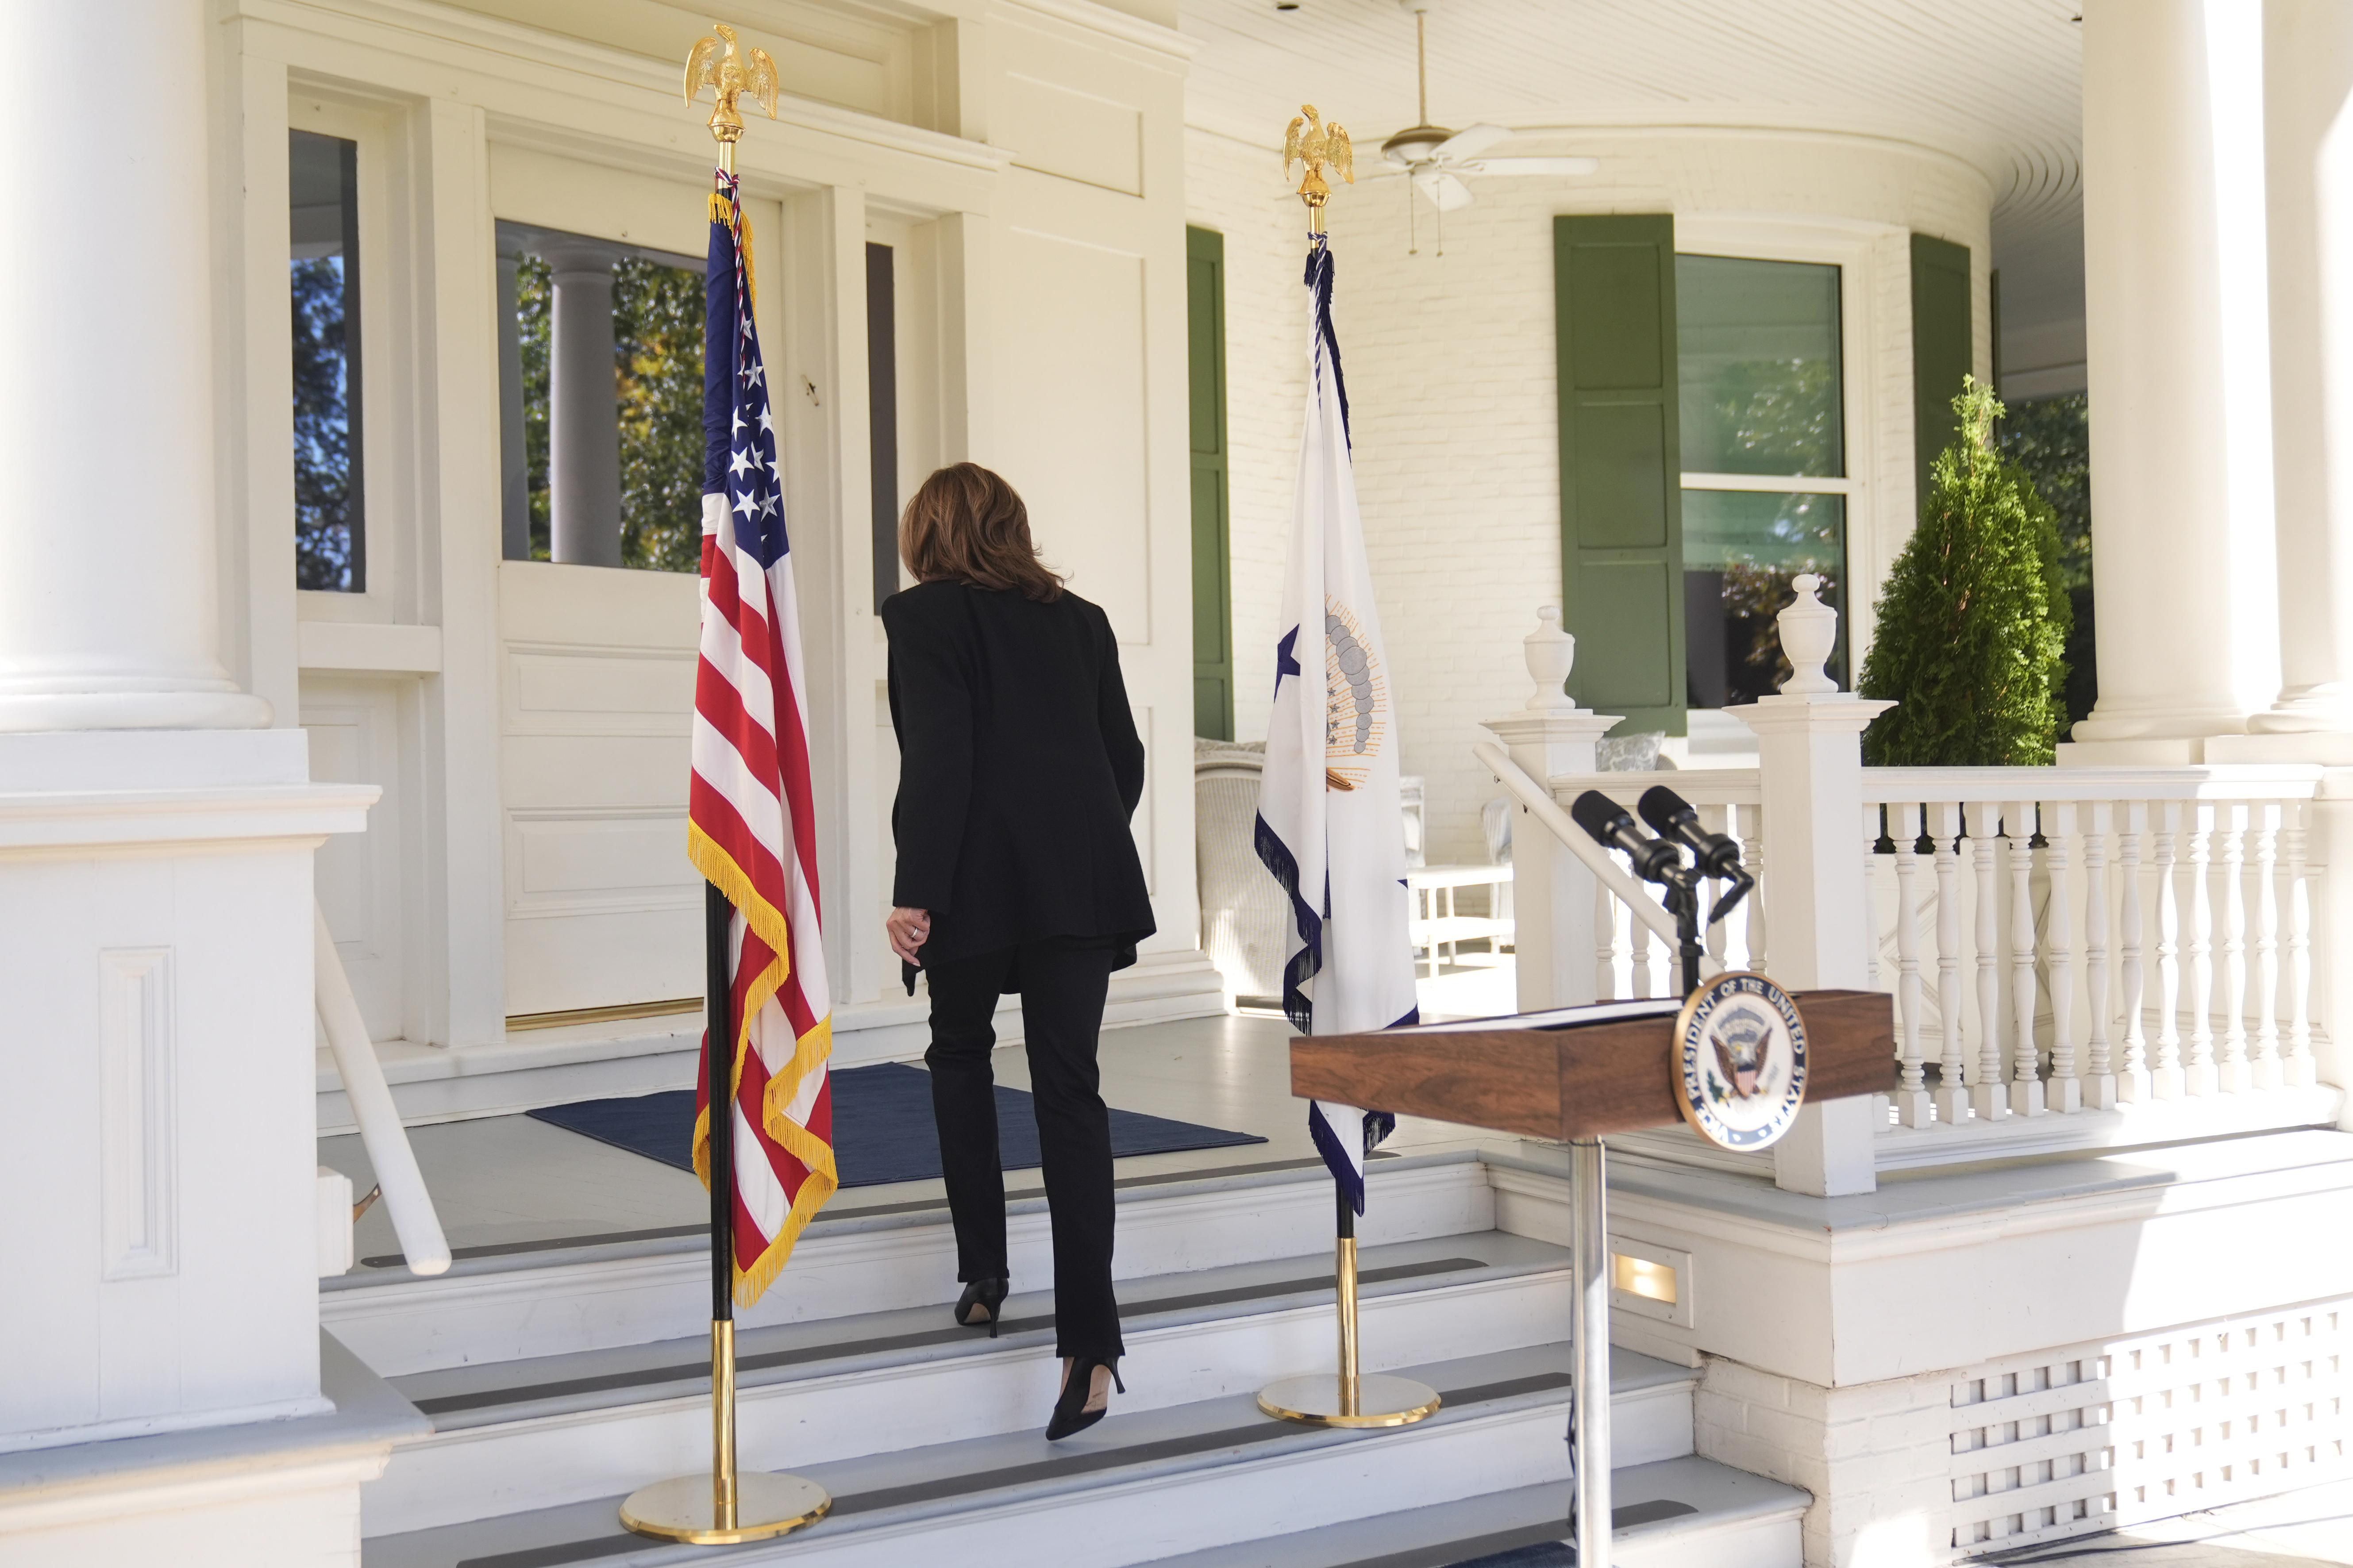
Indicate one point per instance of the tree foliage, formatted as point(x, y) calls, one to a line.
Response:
point(1973, 622)
point(2051, 438)
point(323, 431)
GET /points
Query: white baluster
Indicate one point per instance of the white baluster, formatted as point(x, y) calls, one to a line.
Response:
point(2064, 1092)
point(2197, 1071)
point(2296, 1071)
point(1715, 819)
point(2026, 1081)
point(1952, 1090)
point(1912, 1106)
point(2099, 1068)
point(1870, 884)
point(2231, 1058)
point(2132, 1080)
point(2165, 1074)
point(2264, 1056)
point(1606, 916)
point(1752, 855)
point(1989, 1095)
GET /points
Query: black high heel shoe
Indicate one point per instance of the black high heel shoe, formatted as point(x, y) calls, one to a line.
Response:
point(985, 1296)
point(1070, 1412)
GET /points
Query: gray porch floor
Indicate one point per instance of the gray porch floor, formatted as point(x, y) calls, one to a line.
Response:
point(509, 1179)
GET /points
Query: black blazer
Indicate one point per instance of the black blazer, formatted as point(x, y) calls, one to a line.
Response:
point(1018, 769)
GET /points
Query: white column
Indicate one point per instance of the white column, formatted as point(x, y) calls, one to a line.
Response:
point(584, 424)
point(2307, 81)
point(2173, 291)
point(1809, 772)
point(1552, 890)
point(109, 586)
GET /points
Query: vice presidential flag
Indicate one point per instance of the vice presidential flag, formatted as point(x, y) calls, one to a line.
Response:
point(1330, 826)
point(751, 828)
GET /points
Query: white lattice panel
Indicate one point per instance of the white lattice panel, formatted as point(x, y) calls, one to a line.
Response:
point(2094, 1436)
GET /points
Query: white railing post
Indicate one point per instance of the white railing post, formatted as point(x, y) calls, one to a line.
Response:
point(1952, 1090)
point(2026, 1077)
point(1912, 1106)
point(1988, 1093)
point(2132, 1076)
point(2230, 1060)
point(2198, 1072)
point(2263, 1063)
point(2165, 1074)
point(1810, 755)
point(2064, 1092)
point(2296, 1069)
point(2099, 1076)
point(1553, 896)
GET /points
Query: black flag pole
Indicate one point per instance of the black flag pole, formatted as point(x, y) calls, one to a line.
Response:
point(725, 1507)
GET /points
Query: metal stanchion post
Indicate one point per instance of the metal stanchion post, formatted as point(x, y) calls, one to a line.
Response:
point(1588, 1437)
point(1350, 1398)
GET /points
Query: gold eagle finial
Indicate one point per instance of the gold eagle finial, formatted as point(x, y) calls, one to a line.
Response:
point(1319, 147)
point(716, 62)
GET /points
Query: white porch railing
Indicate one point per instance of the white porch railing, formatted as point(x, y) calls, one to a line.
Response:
point(2079, 957)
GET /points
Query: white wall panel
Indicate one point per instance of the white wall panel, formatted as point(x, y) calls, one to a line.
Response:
point(1072, 435)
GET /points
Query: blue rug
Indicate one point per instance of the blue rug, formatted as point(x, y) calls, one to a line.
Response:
point(882, 1128)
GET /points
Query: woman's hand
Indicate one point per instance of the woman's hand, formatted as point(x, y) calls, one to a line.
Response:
point(909, 930)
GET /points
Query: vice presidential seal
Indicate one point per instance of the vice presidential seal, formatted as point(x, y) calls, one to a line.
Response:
point(1740, 1061)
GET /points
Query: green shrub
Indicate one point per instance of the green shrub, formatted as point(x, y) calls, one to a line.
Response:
point(1973, 622)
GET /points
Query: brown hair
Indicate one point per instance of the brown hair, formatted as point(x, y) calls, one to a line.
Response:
point(966, 524)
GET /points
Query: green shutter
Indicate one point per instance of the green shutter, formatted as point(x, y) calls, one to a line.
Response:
point(1621, 530)
point(1213, 615)
point(1942, 351)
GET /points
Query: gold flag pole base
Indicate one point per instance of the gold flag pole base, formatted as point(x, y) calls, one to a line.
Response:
point(682, 1509)
point(1321, 1399)
point(1347, 1399)
point(724, 1508)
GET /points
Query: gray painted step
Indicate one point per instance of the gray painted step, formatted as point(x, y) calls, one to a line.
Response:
point(1688, 1512)
point(1139, 1487)
point(539, 1433)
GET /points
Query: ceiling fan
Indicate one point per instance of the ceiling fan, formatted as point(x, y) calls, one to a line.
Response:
point(1439, 159)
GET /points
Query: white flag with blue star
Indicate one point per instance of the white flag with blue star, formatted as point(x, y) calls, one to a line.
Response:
point(1330, 825)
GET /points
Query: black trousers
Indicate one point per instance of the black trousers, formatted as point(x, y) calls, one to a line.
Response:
point(1063, 984)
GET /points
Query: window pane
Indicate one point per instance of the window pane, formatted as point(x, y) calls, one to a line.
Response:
point(1741, 548)
point(1758, 351)
point(657, 308)
point(330, 537)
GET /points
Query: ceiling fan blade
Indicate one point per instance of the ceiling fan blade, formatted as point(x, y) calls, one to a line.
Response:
point(1443, 189)
point(1470, 142)
point(1530, 166)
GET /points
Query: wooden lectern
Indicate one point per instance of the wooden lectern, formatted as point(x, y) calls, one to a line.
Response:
point(1576, 1075)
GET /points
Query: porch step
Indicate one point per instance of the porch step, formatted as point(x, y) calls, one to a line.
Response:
point(538, 1433)
point(864, 1253)
point(1151, 1484)
point(1671, 1513)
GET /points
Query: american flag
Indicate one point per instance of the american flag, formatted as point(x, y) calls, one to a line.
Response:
point(751, 828)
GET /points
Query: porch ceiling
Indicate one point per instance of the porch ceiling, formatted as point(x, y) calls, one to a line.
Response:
point(1996, 82)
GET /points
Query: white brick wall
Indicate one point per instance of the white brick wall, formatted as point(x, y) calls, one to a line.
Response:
point(1451, 371)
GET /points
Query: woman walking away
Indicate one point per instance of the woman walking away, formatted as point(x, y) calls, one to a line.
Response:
point(1018, 769)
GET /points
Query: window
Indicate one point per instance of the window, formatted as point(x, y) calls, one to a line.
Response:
point(1761, 412)
point(612, 445)
point(330, 494)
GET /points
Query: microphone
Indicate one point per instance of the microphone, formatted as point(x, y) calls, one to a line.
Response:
point(1672, 816)
point(1655, 859)
point(1712, 854)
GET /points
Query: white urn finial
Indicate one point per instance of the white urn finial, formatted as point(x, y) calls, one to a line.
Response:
point(1551, 654)
point(1808, 632)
